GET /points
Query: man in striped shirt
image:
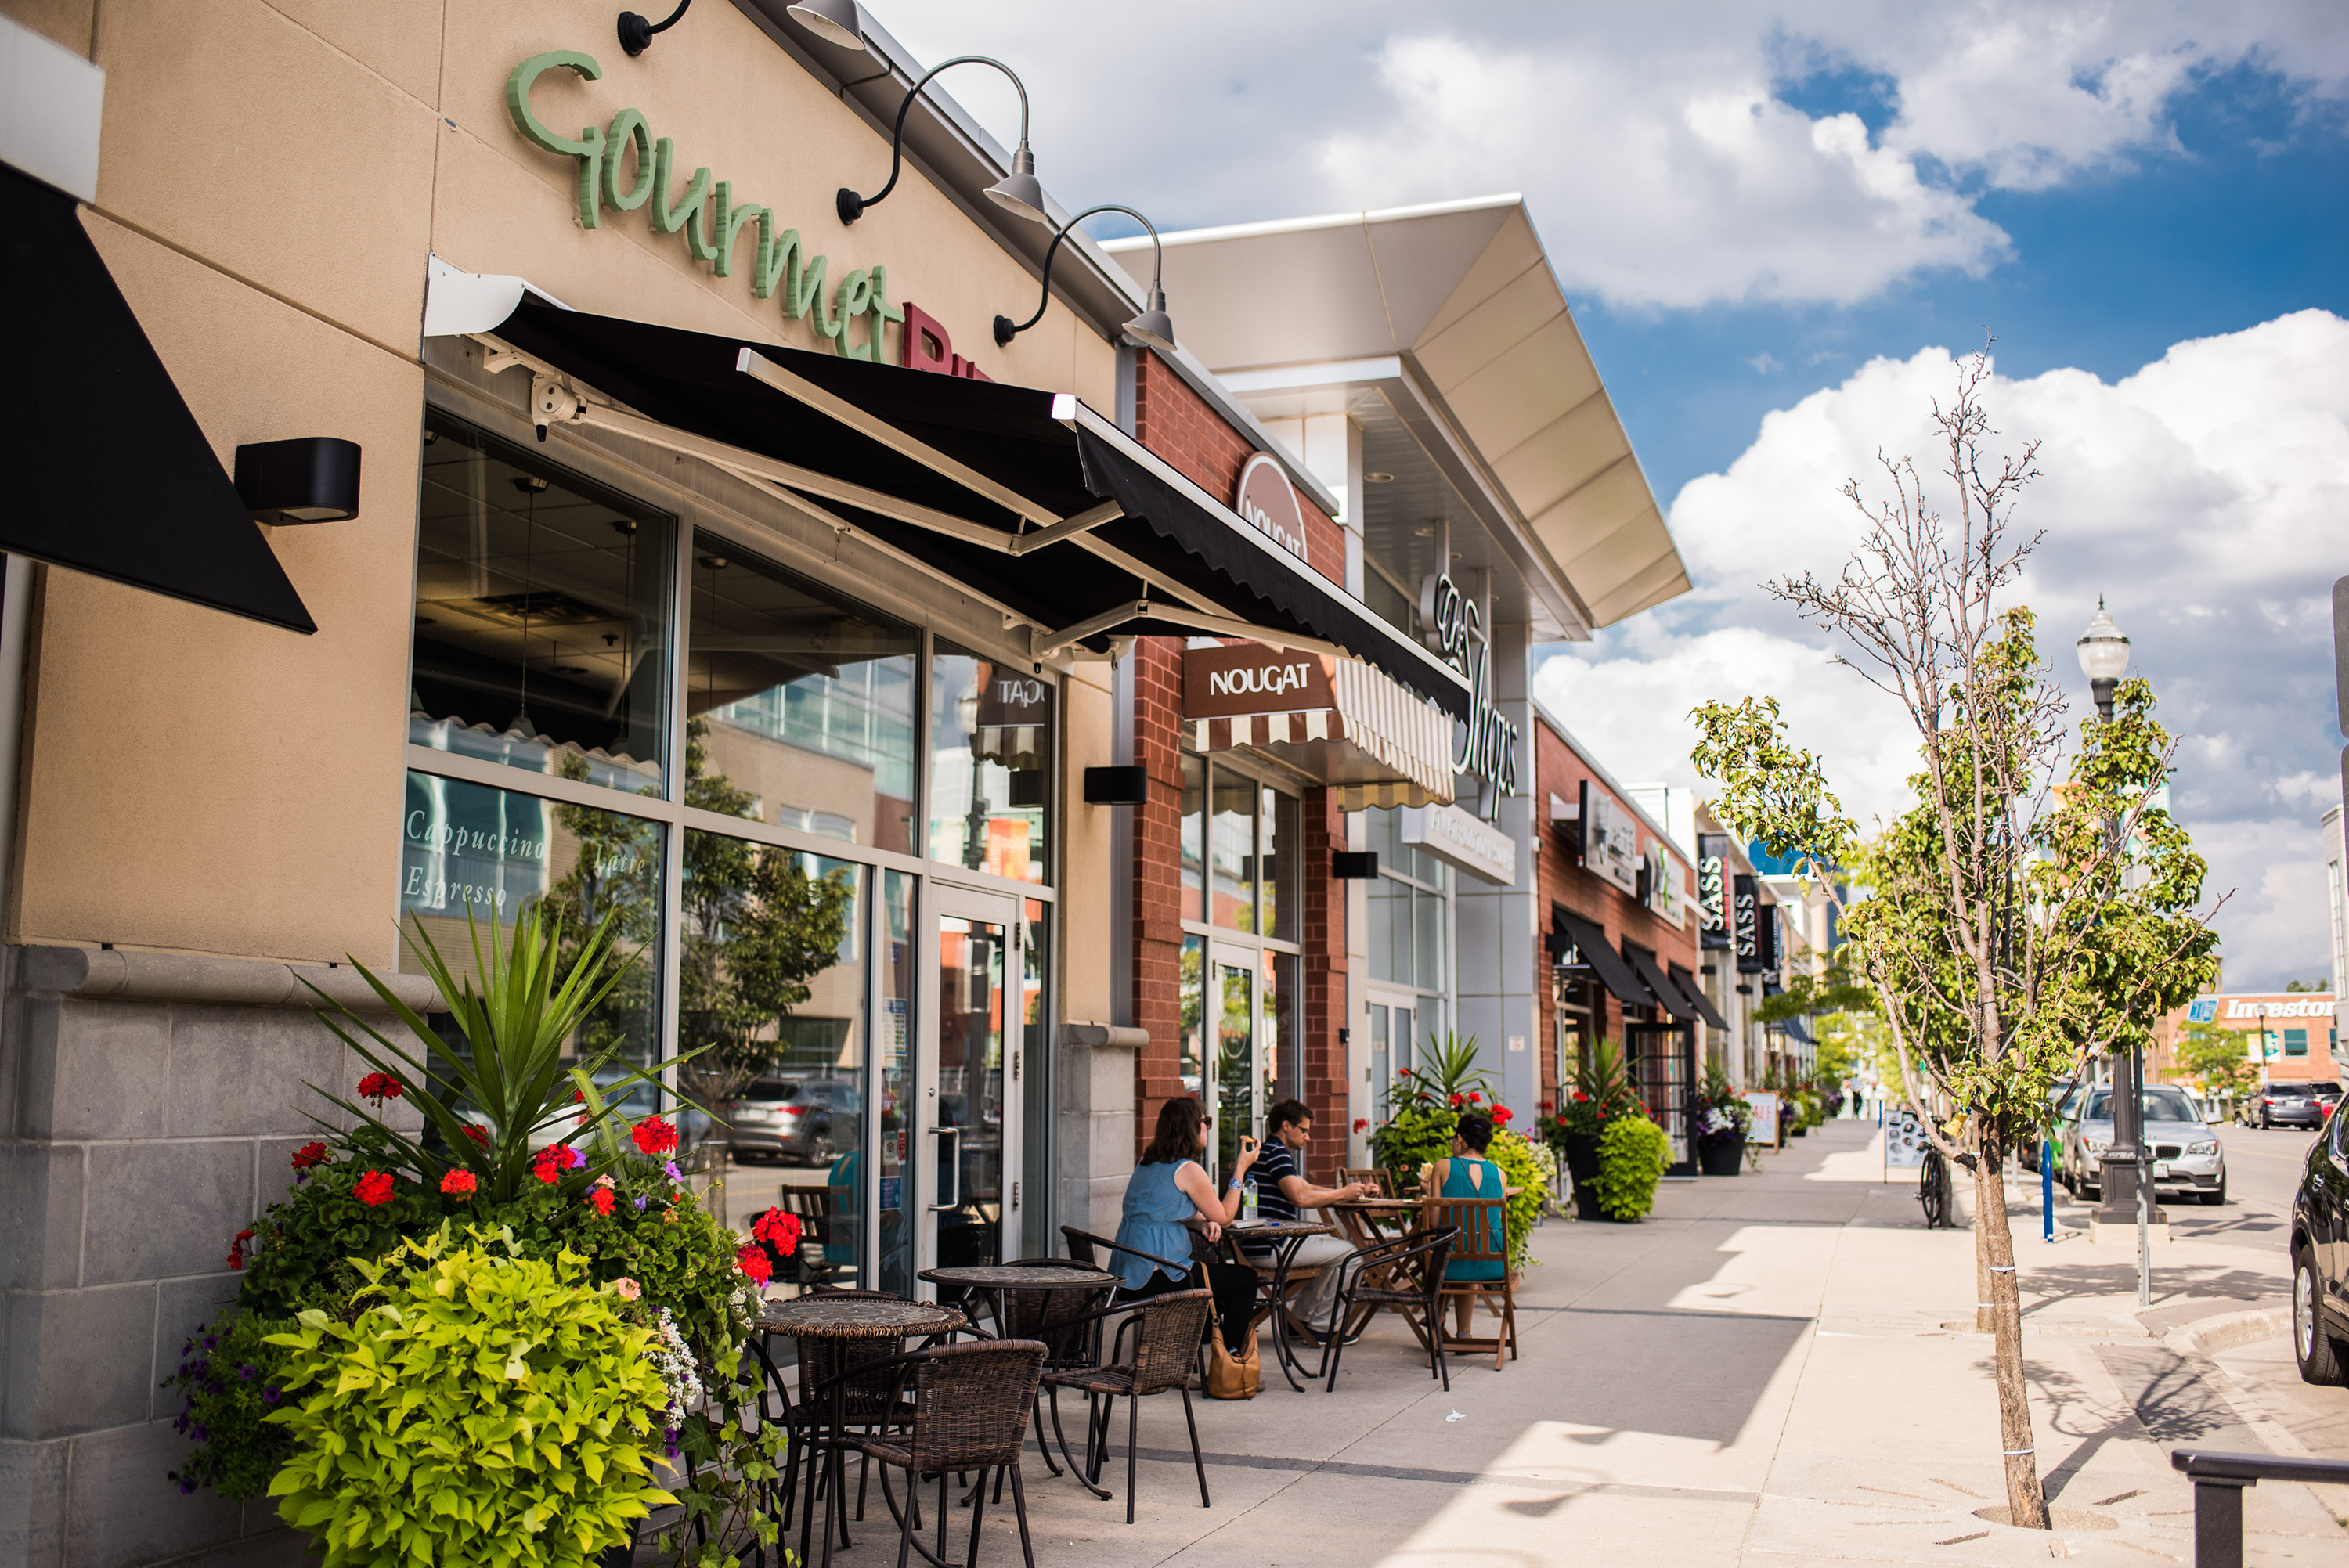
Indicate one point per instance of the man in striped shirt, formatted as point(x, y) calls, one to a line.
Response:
point(1281, 1190)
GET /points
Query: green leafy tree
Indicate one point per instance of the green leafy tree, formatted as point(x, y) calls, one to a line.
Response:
point(2217, 1060)
point(2013, 921)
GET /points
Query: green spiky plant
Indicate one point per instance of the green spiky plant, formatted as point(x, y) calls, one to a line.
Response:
point(512, 1071)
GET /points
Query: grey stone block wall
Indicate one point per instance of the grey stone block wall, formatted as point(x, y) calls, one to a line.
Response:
point(150, 1109)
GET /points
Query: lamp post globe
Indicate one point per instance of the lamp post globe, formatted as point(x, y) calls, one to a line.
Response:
point(2104, 656)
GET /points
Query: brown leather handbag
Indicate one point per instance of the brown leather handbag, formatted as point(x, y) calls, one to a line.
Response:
point(1231, 1377)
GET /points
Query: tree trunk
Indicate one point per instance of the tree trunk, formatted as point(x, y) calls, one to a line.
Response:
point(2026, 1502)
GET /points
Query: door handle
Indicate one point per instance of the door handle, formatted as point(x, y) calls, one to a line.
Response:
point(955, 1165)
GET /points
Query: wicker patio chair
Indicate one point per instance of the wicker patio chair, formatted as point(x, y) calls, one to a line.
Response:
point(1484, 1238)
point(1171, 1328)
point(1404, 1276)
point(870, 1400)
point(967, 1410)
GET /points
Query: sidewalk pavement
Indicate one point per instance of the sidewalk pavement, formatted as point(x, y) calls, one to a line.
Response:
point(1776, 1369)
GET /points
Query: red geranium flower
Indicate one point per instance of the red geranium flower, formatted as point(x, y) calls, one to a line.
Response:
point(1544, 1105)
point(601, 1198)
point(653, 1136)
point(546, 1165)
point(1503, 1115)
point(1456, 1102)
point(236, 1248)
point(480, 1135)
point(380, 1087)
point(777, 1230)
point(754, 1263)
point(1473, 1096)
point(1360, 1122)
point(459, 1185)
point(311, 1153)
point(374, 1189)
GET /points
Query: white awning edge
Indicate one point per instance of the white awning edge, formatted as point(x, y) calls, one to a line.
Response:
point(1379, 744)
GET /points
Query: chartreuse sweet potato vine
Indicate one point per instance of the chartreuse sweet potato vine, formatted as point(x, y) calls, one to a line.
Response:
point(485, 1408)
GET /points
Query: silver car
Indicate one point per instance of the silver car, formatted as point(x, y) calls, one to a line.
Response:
point(2187, 1161)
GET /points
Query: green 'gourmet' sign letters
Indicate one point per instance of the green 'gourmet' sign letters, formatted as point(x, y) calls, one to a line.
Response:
point(704, 213)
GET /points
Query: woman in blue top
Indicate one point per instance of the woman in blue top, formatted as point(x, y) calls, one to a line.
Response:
point(1468, 1174)
point(1170, 1188)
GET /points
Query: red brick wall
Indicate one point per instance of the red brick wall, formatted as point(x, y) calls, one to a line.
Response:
point(1157, 933)
point(1183, 427)
point(1323, 831)
point(1559, 770)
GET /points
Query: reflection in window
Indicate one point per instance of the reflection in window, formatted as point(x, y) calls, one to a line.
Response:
point(541, 616)
point(1193, 1048)
point(804, 702)
point(1284, 907)
point(894, 1048)
point(1194, 836)
point(468, 848)
point(1037, 1237)
point(1235, 1061)
point(1231, 851)
point(1284, 1052)
point(991, 732)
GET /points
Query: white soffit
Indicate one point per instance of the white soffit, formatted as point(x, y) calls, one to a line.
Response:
point(1463, 293)
point(50, 100)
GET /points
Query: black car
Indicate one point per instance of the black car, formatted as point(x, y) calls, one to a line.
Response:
point(2320, 1259)
point(2291, 1104)
point(793, 1119)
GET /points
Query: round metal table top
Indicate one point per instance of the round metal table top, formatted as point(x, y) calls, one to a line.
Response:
point(858, 1317)
point(1376, 1204)
point(1276, 1230)
point(1074, 1276)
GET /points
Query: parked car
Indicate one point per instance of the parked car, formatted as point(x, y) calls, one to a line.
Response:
point(2291, 1104)
point(2060, 1096)
point(2320, 1259)
point(2187, 1161)
point(793, 1120)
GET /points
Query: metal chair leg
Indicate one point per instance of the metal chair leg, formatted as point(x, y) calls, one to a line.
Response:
point(905, 1525)
point(977, 1513)
point(1020, 1507)
point(1133, 1436)
point(1197, 1463)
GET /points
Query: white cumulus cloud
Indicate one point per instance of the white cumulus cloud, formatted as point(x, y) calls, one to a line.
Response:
point(2201, 497)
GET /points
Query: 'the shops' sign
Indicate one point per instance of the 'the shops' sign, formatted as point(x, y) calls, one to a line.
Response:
point(1487, 744)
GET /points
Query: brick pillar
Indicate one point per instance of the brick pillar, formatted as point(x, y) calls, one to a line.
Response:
point(1323, 831)
point(1158, 879)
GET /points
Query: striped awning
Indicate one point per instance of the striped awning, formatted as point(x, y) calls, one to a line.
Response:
point(1377, 744)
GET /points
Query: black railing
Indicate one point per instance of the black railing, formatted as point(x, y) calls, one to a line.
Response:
point(2219, 1482)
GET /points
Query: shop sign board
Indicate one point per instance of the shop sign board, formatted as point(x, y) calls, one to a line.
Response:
point(1765, 1125)
point(1712, 891)
point(1460, 840)
point(1745, 918)
point(1662, 887)
point(1239, 680)
point(1487, 742)
point(716, 226)
point(1609, 839)
point(1265, 497)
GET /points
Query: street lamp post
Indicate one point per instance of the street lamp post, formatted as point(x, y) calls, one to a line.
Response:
point(2125, 1177)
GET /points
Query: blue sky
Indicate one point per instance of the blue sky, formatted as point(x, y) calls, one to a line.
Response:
point(1775, 221)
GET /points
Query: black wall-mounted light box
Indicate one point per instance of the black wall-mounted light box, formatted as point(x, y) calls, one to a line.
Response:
point(1348, 865)
point(1117, 785)
point(310, 479)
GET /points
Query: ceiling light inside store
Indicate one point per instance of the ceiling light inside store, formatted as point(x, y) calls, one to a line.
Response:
point(1378, 479)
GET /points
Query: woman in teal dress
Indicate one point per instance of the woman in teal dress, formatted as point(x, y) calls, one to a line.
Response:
point(1468, 1174)
point(1168, 1189)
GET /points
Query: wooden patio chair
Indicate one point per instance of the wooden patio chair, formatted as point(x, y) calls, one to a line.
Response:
point(1483, 1227)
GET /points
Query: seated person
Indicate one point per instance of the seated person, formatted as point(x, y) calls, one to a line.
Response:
point(1169, 1188)
point(1468, 1174)
point(1281, 1190)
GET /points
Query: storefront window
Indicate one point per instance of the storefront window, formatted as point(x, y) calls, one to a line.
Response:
point(1195, 837)
point(542, 617)
point(1231, 850)
point(1284, 908)
point(801, 704)
point(1409, 943)
point(991, 734)
point(1194, 1012)
point(1037, 1236)
point(895, 1049)
point(1283, 1056)
point(1236, 1061)
point(470, 850)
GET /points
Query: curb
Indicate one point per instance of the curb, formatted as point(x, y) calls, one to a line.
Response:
point(2227, 1330)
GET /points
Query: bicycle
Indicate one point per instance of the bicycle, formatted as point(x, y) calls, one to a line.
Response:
point(1934, 1193)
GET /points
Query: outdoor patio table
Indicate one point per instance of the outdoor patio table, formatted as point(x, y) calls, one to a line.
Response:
point(1286, 1236)
point(1367, 1220)
point(1004, 1278)
point(839, 1319)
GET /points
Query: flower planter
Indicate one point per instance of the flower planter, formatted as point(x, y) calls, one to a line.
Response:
point(1582, 1156)
point(1586, 1202)
point(1721, 1156)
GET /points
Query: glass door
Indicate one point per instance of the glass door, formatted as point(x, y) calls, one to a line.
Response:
point(964, 1152)
point(1238, 1102)
point(1391, 1021)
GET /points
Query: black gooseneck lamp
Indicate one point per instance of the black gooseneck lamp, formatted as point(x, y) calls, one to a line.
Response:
point(636, 32)
point(1154, 327)
point(1016, 193)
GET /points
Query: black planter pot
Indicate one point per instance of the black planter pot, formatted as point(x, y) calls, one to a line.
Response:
point(1586, 1202)
point(1799, 1130)
point(1582, 1156)
point(1721, 1156)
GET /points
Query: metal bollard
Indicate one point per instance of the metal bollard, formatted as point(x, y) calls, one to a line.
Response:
point(2219, 1482)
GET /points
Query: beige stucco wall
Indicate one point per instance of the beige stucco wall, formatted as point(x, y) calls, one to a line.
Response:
point(272, 177)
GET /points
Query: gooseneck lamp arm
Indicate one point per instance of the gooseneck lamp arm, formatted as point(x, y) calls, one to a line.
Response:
point(1006, 330)
point(851, 206)
point(636, 32)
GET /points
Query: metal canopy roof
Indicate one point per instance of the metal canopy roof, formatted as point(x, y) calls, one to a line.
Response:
point(1451, 311)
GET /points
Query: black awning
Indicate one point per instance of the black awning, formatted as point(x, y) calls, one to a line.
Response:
point(1049, 450)
point(1697, 998)
point(107, 472)
point(1644, 962)
point(1591, 943)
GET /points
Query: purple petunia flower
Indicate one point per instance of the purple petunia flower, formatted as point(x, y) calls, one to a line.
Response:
point(578, 1156)
point(673, 1173)
point(248, 1371)
point(269, 1396)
